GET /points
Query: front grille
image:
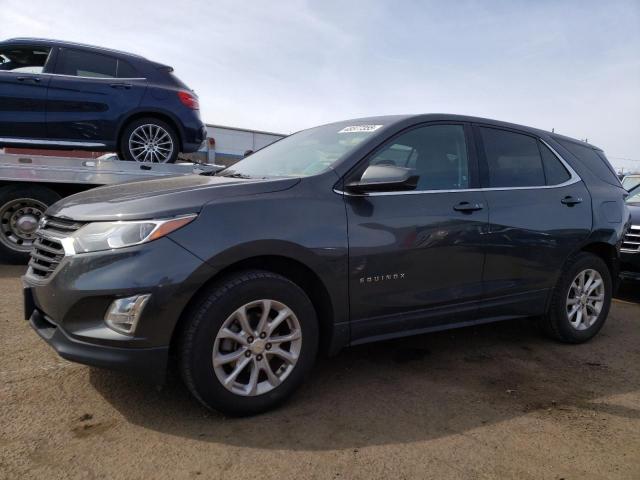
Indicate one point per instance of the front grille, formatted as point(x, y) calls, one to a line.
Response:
point(631, 242)
point(47, 251)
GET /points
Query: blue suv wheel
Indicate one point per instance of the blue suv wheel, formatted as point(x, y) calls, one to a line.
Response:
point(149, 140)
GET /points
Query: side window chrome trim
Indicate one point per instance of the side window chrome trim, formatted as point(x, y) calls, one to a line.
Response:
point(575, 178)
point(93, 78)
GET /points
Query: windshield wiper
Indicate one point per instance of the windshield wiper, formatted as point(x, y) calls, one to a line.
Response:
point(235, 175)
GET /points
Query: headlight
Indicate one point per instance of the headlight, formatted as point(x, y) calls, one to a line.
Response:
point(97, 236)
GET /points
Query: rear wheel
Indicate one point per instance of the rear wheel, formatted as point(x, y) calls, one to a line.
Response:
point(149, 140)
point(21, 208)
point(249, 343)
point(581, 300)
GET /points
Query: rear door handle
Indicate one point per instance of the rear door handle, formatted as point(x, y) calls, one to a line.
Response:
point(571, 201)
point(121, 85)
point(467, 207)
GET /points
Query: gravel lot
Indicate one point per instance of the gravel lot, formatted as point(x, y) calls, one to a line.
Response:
point(489, 402)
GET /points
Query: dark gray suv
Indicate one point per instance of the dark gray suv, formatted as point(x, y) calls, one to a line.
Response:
point(343, 234)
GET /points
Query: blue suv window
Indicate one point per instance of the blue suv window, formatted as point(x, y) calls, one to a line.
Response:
point(23, 59)
point(79, 63)
point(126, 70)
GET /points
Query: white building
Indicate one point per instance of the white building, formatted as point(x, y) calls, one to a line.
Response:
point(228, 144)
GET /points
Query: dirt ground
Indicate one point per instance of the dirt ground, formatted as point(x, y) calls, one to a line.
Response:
point(497, 401)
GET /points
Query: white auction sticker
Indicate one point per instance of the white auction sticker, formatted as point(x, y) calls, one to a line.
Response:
point(360, 128)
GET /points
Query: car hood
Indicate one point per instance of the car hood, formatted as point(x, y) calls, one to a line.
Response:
point(159, 198)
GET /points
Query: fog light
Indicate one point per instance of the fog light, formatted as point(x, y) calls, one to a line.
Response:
point(123, 314)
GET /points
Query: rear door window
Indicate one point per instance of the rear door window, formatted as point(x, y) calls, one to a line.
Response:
point(513, 159)
point(23, 59)
point(80, 63)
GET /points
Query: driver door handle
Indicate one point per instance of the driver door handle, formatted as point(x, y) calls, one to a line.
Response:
point(34, 79)
point(467, 207)
point(126, 86)
point(570, 200)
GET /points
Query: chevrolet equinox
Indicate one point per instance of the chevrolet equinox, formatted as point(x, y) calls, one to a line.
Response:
point(338, 235)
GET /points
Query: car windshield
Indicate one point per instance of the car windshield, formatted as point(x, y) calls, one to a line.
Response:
point(305, 153)
point(629, 182)
point(634, 195)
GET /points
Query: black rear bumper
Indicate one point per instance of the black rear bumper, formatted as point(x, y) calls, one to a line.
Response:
point(150, 363)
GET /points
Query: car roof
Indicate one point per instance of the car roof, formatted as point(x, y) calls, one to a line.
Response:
point(430, 117)
point(48, 42)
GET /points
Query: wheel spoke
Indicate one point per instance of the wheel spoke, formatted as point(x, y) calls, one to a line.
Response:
point(235, 336)
point(241, 316)
point(295, 335)
point(594, 286)
point(271, 377)
point(281, 317)
point(240, 366)
point(228, 357)
point(264, 318)
point(573, 312)
point(252, 386)
point(283, 354)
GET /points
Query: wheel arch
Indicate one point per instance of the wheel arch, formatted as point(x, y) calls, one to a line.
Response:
point(607, 253)
point(292, 269)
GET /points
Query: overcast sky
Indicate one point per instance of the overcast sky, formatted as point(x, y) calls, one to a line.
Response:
point(287, 65)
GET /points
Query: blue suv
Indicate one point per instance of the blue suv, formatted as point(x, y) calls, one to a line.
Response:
point(65, 95)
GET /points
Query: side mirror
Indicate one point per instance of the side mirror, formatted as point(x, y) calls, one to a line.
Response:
point(247, 153)
point(384, 178)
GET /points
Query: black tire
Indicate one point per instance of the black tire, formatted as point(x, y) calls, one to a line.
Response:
point(556, 322)
point(10, 247)
point(207, 317)
point(131, 127)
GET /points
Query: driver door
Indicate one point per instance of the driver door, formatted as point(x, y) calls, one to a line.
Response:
point(23, 92)
point(416, 257)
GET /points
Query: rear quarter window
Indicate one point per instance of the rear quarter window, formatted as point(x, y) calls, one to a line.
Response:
point(594, 160)
point(126, 70)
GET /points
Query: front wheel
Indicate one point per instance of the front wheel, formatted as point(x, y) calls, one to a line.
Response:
point(581, 300)
point(249, 343)
point(149, 140)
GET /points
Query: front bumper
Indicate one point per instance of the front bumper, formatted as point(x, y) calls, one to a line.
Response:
point(150, 363)
point(67, 310)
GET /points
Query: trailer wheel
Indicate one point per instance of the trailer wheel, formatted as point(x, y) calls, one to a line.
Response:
point(21, 208)
point(150, 140)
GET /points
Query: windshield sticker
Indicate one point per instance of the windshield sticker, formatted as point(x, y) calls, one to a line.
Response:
point(360, 128)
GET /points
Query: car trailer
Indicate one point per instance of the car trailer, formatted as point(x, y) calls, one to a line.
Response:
point(30, 183)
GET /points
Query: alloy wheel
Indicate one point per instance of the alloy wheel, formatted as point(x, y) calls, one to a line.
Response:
point(585, 299)
point(151, 143)
point(257, 347)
